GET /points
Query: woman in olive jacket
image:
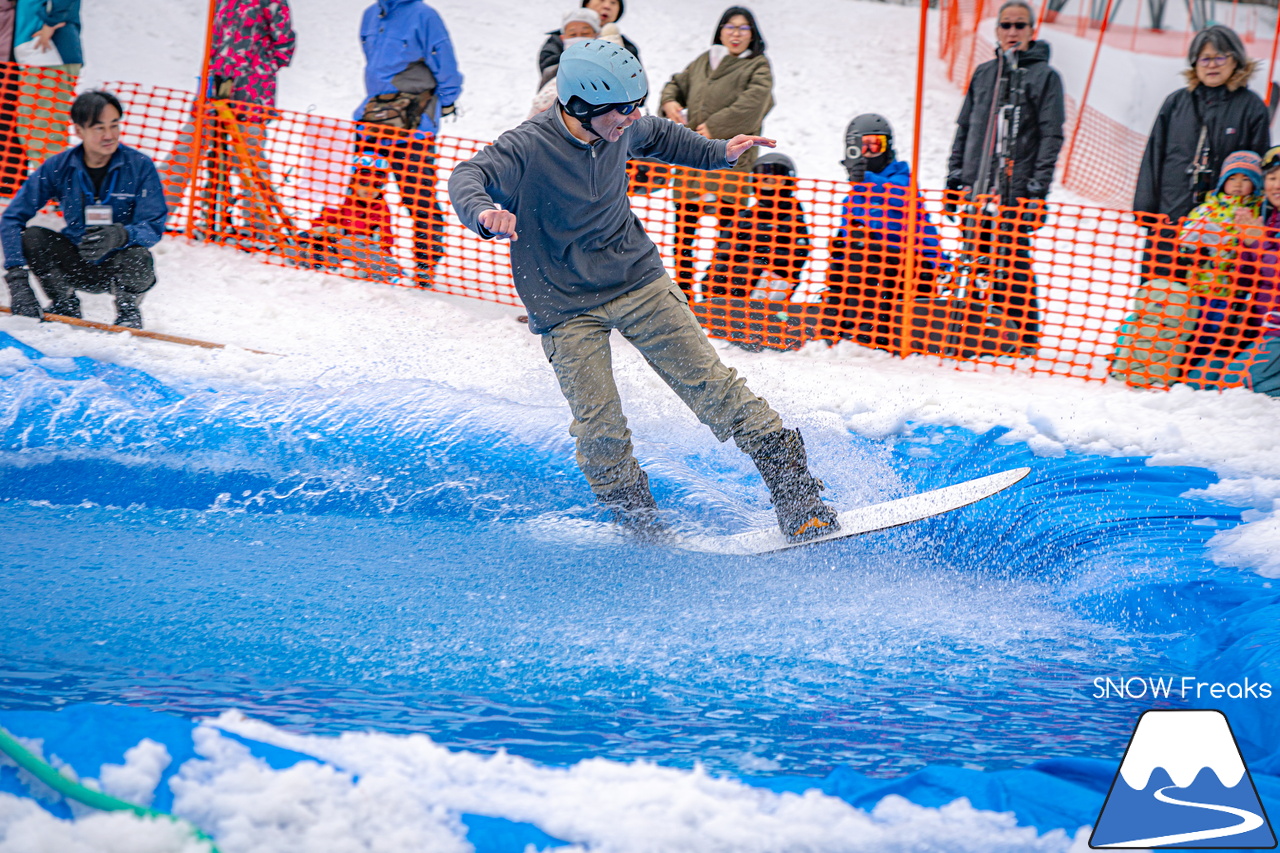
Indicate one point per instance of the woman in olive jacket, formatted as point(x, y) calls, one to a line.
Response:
point(724, 92)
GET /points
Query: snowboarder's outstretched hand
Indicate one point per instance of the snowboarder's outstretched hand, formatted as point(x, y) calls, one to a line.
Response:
point(501, 223)
point(742, 143)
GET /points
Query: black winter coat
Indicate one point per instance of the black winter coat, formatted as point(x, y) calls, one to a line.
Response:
point(1035, 153)
point(1236, 121)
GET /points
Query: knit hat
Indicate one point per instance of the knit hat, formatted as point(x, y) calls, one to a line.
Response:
point(621, 8)
point(587, 16)
point(1244, 163)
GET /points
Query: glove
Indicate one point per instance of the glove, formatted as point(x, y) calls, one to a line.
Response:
point(449, 110)
point(855, 165)
point(1035, 189)
point(100, 240)
point(955, 182)
point(22, 300)
point(222, 87)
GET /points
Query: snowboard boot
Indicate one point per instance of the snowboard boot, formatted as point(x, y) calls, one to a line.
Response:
point(127, 312)
point(635, 510)
point(785, 469)
point(65, 301)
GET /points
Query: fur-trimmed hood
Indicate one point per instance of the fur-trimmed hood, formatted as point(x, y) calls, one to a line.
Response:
point(1236, 81)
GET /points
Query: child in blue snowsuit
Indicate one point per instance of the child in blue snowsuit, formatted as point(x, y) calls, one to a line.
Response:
point(868, 252)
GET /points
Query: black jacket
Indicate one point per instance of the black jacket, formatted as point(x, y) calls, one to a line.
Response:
point(554, 46)
point(1236, 121)
point(1035, 153)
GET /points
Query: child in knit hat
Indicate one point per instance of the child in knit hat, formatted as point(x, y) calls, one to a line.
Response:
point(1213, 229)
point(578, 25)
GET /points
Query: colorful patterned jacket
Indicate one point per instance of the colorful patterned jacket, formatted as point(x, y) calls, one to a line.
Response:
point(252, 41)
point(1211, 231)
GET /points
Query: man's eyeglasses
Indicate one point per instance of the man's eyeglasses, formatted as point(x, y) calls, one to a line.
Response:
point(1214, 61)
point(736, 28)
point(628, 109)
point(1014, 25)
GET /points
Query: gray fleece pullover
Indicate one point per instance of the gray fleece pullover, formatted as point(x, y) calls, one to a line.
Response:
point(580, 245)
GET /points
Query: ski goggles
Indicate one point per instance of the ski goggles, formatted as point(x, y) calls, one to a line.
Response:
point(1014, 25)
point(1271, 160)
point(875, 144)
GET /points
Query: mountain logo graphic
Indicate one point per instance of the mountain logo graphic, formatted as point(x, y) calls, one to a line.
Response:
point(1182, 784)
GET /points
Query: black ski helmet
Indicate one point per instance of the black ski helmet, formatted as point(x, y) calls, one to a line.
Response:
point(775, 163)
point(865, 124)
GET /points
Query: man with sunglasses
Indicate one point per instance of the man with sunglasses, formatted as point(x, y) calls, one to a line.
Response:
point(556, 187)
point(1023, 62)
point(1008, 137)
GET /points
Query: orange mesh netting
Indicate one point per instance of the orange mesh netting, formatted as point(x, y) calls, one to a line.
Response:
point(770, 262)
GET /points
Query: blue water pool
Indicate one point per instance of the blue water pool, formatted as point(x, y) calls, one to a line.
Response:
point(408, 558)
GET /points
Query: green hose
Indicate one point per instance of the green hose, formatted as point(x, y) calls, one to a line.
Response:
point(75, 791)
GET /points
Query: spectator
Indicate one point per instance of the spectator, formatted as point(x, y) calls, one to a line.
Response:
point(115, 211)
point(764, 254)
point(1036, 87)
point(610, 12)
point(412, 81)
point(726, 91)
point(252, 41)
point(1199, 317)
point(866, 272)
point(1223, 230)
point(46, 39)
point(579, 25)
point(359, 231)
point(1020, 76)
point(1198, 125)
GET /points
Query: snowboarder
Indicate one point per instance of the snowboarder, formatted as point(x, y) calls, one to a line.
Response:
point(556, 186)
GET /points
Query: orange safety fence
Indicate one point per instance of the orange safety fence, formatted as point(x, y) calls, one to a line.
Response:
point(769, 262)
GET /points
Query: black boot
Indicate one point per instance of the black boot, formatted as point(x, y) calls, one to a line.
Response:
point(785, 469)
point(127, 313)
point(634, 508)
point(22, 299)
point(65, 301)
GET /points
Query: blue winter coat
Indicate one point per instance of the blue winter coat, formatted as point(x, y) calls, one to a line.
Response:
point(131, 186)
point(880, 205)
point(32, 15)
point(397, 33)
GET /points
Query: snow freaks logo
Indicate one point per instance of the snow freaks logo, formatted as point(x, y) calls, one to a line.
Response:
point(1182, 783)
point(1184, 687)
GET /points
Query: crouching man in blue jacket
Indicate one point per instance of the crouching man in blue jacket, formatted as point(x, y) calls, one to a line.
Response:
point(556, 187)
point(114, 206)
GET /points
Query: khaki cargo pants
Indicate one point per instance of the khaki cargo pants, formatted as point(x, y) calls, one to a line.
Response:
point(656, 320)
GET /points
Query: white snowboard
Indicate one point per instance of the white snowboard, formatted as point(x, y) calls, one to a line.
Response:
point(867, 519)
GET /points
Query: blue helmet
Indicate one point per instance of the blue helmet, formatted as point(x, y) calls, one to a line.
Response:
point(597, 75)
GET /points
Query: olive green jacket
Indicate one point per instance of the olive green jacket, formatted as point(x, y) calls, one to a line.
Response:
point(732, 99)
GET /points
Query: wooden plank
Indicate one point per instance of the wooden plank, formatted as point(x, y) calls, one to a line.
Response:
point(137, 333)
